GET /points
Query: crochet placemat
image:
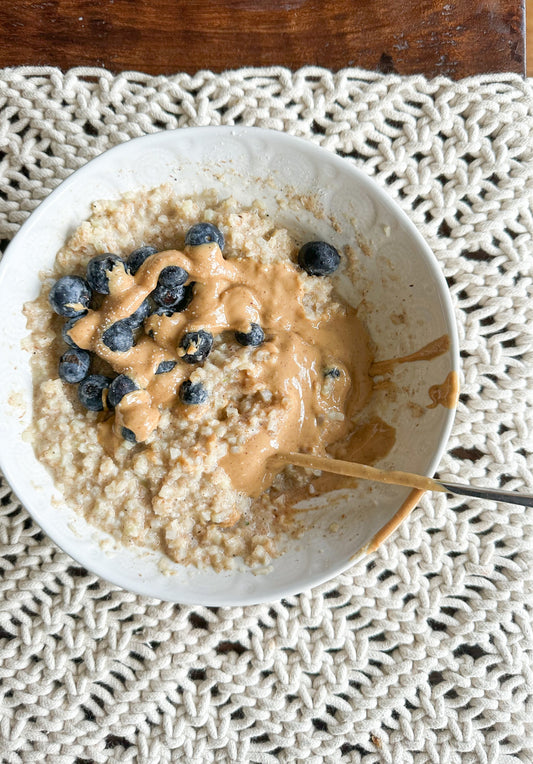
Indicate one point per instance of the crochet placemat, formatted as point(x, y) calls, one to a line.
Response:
point(423, 651)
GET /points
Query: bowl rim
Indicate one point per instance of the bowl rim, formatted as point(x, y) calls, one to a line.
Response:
point(300, 145)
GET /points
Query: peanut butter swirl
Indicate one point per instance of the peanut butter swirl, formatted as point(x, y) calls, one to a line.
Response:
point(314, 409)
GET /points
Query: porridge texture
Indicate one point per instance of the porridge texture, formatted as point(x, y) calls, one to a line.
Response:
point(257, 356)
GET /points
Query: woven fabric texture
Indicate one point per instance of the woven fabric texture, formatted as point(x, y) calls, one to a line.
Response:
point(421, 652)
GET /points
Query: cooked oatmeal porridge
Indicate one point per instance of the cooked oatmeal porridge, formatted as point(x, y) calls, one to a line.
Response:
point(208, 341)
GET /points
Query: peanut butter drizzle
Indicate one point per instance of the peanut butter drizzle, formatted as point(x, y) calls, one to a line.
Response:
point(367, 443)
point(230, 295)
point(445, 394)
point(432, 350)
point(407, 507)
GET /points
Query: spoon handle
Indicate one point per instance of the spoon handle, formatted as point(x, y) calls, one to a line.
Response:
point(397, 477)
point(362, 471)
point(493, 494)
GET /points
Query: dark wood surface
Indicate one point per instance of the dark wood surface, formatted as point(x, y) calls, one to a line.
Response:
point(529, 38)
point(456, 38)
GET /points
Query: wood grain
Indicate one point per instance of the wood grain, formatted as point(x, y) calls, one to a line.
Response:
point(529, 38)
point(455, 38)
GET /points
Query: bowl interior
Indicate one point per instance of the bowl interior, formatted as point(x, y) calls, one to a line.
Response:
point(311, 192)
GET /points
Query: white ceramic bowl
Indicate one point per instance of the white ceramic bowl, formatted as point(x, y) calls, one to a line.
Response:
point(399, 276)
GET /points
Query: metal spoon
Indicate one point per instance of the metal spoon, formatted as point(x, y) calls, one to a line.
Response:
point(396, 477)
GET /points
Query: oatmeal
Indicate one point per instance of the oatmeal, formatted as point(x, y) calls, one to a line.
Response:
point(200, 340)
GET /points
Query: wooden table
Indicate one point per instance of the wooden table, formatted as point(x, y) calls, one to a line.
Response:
point(456, 38)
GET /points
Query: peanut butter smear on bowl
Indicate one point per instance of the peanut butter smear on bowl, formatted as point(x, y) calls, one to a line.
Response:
point(290, 367)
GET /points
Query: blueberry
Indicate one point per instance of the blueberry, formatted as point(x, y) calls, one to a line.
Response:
point(70, 296)
point(98, 269)
point(119, 387)
point(332, 372)
point(67, 326)
point(74, 365)
point(176, 307)
point(172, 276)
point(137, 258)
point(193, 393)
point(254, 337)
point(204, 233)
point(168, 297)
point(199, 343)
point(91, 391)
point(165, 366)
point(137, 318)
point(119, 336)
point(318, 258)
point(162, 311)
point(128, 434)
point(187, 298)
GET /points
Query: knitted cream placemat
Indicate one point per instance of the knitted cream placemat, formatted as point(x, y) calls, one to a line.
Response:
point(421, 652)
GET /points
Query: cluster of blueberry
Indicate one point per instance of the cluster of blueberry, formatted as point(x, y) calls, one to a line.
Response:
point(70, 297)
